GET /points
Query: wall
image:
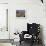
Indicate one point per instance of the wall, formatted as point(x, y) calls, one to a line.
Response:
point(3, 1)
point(3, 18)
point(3, 34)
point(35, 12)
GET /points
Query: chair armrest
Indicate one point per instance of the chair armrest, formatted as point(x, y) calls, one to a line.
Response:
point(24, 32)
point(22, 35)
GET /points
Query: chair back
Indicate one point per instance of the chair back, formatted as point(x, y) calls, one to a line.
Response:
point(33, 28)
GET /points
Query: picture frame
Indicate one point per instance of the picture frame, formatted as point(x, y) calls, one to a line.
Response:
point(20, 13)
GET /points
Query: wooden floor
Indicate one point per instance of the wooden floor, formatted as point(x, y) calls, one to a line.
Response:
point(6, 40)
point(27, 44)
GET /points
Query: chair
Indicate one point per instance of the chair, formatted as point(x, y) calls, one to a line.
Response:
point(33, 30)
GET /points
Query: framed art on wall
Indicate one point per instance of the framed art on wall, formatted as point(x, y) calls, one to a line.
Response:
point(20, 13)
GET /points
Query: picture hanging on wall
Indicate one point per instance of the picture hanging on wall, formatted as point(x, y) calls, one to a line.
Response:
point(20, 13)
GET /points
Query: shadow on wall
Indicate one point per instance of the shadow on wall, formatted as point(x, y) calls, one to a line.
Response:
point(41, 34)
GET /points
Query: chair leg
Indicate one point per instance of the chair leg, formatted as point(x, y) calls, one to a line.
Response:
point(32, 42)
point(20, 42)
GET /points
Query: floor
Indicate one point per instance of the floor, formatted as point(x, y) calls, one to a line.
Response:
point(5, 44)
point(23, 44)
point(27, 44)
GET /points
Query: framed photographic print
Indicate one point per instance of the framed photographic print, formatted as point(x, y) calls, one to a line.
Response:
point(20, 13)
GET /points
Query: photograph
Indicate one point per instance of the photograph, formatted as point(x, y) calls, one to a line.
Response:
point(20, 13)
